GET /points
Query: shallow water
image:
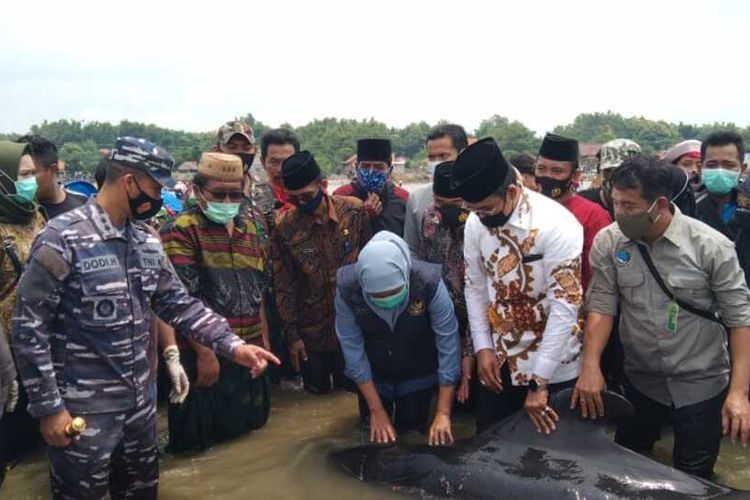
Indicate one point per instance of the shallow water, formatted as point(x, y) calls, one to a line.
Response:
point(289, 458)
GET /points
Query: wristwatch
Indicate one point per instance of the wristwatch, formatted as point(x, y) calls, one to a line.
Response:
point(535, 386)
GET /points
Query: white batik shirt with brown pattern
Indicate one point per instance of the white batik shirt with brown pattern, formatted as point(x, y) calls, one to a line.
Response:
point(523, 289)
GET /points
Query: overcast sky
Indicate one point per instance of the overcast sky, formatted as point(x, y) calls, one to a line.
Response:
point(396, 61)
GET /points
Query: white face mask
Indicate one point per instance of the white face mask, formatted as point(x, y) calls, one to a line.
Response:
point(431, 166)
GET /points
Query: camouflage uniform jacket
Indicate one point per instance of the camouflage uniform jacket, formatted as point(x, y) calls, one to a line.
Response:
point(86, 300)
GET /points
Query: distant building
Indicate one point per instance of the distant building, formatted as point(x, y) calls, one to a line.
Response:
point(186, 171)
point(588, 156)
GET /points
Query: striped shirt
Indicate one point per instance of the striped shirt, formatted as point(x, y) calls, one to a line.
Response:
point(228, 273)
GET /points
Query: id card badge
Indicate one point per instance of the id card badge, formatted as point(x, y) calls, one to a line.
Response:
point(672, 311)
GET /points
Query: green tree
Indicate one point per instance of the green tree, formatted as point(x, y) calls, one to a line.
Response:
point(512, 136)
point(80, 157)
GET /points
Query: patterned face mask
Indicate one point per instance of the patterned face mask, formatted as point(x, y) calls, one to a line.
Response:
point(371, 180)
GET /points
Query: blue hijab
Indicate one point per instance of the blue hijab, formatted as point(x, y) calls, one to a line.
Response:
point(384, 264)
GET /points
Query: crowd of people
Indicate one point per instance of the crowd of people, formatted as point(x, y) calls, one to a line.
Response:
point(498, 284)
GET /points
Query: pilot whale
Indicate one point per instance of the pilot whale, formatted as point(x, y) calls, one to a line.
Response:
point(512, 460)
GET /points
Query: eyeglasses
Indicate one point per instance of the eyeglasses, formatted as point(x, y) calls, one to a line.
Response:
point(232, 196)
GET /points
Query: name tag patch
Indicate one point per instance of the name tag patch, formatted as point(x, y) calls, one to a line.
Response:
point(150, 262)
point(103, 263)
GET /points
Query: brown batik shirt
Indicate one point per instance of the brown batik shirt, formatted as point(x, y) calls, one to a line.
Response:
point(306, 254)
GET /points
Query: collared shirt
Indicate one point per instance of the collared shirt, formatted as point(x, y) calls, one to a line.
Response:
point(444, 326)
point(419, 200)
point(700, 266)
point(86, 302)
point(228, 273)
point(523, 289)
point(707, 210)
point(306, 254)
point(445, 246)
point(391, 217)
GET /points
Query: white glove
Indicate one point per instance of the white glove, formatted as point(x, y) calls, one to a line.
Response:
point(10, 405)
point(180, 383)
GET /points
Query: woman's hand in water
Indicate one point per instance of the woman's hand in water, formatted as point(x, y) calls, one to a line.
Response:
point(381, 428)
point(440, 431)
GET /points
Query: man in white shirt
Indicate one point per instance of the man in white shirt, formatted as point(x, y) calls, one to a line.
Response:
point(523, 288)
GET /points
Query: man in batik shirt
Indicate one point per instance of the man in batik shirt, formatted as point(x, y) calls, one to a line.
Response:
point(442, 242)
point(523, 288)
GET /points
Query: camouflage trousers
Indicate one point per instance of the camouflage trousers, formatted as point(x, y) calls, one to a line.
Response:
point(117, 452)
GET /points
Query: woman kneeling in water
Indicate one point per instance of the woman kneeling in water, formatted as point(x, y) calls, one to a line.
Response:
point(399, 335)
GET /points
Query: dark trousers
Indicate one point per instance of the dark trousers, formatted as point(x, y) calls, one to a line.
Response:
point(117, 451)
point(2, 453)
point(613, 359)
point(697, 430)
point(492, 407)
point(20, 430)
point(408, 411)
point(235, 405)
point(324, 371)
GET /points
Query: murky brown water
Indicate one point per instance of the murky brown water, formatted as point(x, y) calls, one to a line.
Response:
point(289, 458)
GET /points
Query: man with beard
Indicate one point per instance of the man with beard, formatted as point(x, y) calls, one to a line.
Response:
point(557, 173)
point(687, 156)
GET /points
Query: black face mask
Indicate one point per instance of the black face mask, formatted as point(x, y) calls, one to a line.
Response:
point(695, 180)
point(310, 206)
point(742, 218)
point(140, 200)
point(452, 216)
point(247, 161)
point(553, 188)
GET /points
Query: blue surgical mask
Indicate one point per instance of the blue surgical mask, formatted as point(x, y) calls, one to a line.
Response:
point(720, 181)
point(373, 181)
point(26, 189)
point(221, 213)
point(390, 302)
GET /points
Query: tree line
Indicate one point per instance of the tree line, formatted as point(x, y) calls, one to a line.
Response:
point(332, 140)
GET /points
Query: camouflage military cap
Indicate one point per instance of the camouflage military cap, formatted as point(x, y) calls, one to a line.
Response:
point(614, 152)
point(232, 128)
point(144, 155)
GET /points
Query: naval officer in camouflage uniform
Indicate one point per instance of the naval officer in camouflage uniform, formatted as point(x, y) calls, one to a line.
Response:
point(81, 330)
